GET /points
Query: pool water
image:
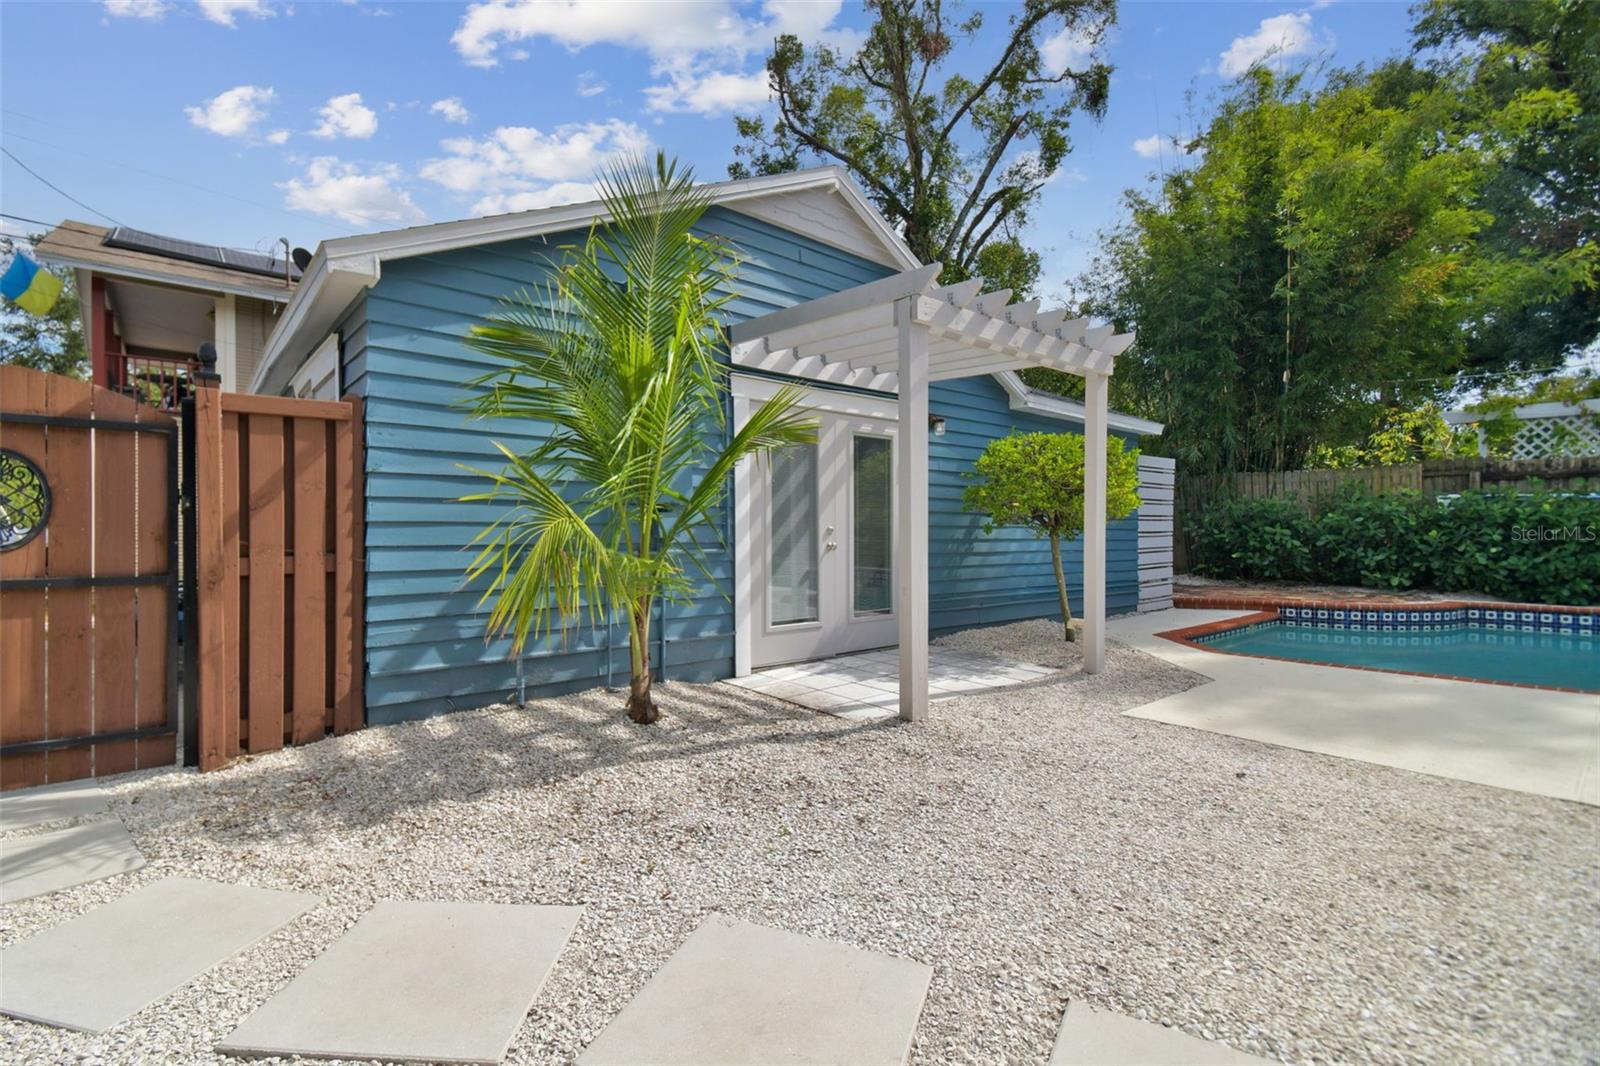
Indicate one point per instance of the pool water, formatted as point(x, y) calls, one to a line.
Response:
point(1560, 660)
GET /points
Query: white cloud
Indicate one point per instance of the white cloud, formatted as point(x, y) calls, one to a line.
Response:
point(662, 28)
point(709, 94)
point(136, 9)
point(451, 109)
point(1149, 147)
point(345, 191)
point(233, 113)
point(226, 12)
point(684, 38)
point(562, 192)
point(278, 137)
point(589, 84)
point(1279, 37)
point(1068, 49)
point(346, 116)
point(517, 167)
point(18, 232)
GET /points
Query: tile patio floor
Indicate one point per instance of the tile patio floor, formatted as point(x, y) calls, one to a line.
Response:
point(866, 685)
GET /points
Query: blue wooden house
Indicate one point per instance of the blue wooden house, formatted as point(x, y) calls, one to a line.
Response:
point(804, 569)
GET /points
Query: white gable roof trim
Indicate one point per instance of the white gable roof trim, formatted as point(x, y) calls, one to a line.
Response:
point(345, 265)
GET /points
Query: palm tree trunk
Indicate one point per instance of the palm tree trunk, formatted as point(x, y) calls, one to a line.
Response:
point(1061, 587)
point(641, 706)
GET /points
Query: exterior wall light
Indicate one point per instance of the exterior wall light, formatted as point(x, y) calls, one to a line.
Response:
point(936, 425)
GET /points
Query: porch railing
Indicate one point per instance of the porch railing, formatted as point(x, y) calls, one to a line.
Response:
point(158, 381)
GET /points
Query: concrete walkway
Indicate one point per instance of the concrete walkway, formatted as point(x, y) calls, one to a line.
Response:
point(738, 994)
point(1546, 743)
point(866, 685)
point(1099, 1038)
point(29, 807)
point(99, 968)
point(49, 862)
point(415, 982)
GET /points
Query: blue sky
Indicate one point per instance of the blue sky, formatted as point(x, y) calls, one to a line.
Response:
point(242, 121)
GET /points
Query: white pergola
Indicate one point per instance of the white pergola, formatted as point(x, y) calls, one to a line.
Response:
point(899, 334)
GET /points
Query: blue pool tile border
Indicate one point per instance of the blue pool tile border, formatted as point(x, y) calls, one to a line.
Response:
point(1389, 618)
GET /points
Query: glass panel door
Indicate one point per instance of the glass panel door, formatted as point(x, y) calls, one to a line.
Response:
point(793, 573)
point(872, 526)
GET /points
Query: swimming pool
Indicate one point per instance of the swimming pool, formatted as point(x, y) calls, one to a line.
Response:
point(1507, 656)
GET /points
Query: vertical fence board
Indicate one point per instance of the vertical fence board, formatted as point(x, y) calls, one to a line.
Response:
point(72, 709)
point(116, 505)
point(310, 578)
point(265, 682)
point(213, 662)
point(229, 495)
point(22, 611)
point(152, 616)
point(348, 570)
point(358, 546)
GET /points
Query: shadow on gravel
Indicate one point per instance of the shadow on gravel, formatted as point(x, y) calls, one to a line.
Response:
point(369, 777)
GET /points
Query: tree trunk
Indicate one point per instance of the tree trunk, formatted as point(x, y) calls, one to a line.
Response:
point(1061, 587)
point(641, 706)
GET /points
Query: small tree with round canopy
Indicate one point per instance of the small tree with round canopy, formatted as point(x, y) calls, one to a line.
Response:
point(1035, 481)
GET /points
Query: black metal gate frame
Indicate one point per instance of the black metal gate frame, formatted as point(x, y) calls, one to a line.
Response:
point(169, 429)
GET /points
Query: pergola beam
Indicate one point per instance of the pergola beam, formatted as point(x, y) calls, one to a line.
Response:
point(874, 295)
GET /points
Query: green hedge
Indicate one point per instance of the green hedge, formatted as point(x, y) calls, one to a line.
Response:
point(1539, 547)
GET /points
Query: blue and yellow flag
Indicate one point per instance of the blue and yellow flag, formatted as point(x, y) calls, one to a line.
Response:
point(29, 286)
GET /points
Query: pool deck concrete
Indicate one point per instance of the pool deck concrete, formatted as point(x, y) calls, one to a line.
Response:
point(1546, 743)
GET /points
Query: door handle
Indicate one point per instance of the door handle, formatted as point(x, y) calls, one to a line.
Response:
point(831, 545)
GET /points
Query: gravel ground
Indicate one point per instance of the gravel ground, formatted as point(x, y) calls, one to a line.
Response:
point(1032, 844)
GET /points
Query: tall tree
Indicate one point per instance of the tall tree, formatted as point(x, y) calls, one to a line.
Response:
point(51, 342)
point(1323, 262)
point(618, 357)
point(954, 160)
point(1528, 78)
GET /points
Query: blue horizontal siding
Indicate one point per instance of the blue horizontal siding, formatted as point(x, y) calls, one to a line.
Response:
point(426, 648)
point(982, 579)
point(425, 642)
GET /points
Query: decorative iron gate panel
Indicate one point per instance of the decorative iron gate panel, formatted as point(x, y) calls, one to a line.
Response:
point(88, 581)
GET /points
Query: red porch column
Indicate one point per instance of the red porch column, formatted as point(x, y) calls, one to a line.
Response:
point(103, 341)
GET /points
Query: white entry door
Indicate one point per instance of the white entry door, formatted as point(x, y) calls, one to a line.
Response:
point(825, 543)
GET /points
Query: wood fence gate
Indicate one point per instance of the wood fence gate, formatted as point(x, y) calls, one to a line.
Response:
point(88, 581)
point(275, 544)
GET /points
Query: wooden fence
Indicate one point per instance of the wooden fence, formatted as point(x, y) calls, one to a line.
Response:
point(1435, 477)
point(88, 589)
point(278, 550)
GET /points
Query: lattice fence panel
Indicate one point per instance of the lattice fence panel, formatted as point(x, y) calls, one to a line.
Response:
point(1568, 434)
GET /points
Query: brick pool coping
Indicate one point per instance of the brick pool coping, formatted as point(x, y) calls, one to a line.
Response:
point(1271, 602)
point(1265, 609)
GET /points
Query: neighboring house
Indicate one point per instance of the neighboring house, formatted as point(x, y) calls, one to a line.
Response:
point(383, 316)
point(149, 302)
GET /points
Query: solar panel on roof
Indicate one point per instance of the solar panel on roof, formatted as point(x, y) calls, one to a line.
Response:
point(194, 252)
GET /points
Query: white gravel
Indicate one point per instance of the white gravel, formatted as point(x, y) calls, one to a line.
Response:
point(1033, 845)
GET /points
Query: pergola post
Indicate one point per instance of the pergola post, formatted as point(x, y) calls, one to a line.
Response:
point(1095, 387)
point(911, 488)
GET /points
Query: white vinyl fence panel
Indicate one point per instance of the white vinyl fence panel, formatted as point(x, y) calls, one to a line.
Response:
point(1157, 477)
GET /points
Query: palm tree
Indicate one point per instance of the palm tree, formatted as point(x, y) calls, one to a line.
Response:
point(616, 361)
